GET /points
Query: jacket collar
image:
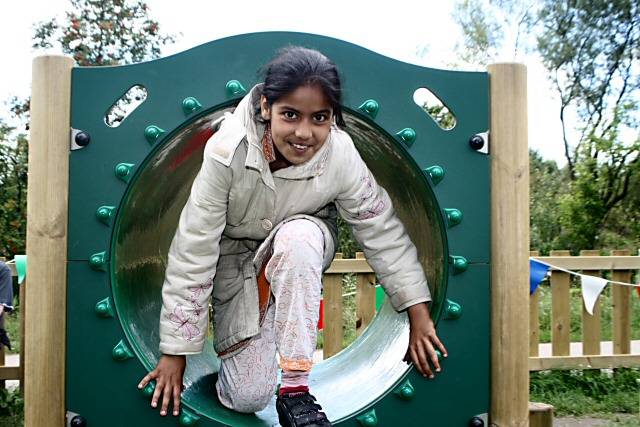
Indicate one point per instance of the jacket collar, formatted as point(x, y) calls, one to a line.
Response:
point(245, 113)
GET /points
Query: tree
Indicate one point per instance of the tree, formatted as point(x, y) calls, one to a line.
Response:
point(104, 32)
point(590, 50)
point(13, 197)
point(547, 188)
point(94, 32)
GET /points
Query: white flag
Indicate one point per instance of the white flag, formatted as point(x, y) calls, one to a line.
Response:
point(591, 289)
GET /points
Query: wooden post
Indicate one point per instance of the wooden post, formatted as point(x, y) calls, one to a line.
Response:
point(560, 310)
point(365, 298)
point(47, 213)
point(332, 296)
point(534, 319)
point(621, 301)
point(591, 323)
point(509, 245)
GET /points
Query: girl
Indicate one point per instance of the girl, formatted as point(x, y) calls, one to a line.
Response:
point(256, 234)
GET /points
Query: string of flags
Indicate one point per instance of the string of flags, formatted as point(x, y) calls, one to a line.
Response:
point(592, 286)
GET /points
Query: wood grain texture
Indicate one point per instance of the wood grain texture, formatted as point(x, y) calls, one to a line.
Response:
point(584, 362)
point(509, 245)
point(621, 304)
point(540, 415)
point(591, 322)
point(560, 310)
point(534, 319)
point(365, 299)
point(332, 332)
point(47, 213)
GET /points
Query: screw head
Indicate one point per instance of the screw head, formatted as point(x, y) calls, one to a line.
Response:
point(152, 133)
point(436, 173)
point(234, 88)
point(78, 421)
point(476, 422)
point(190, 104)
point(371, 107)
point(82, 139)
point(187, 420)
point(476, 142)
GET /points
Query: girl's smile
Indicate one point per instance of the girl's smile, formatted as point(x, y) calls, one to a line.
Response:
point(300, 124)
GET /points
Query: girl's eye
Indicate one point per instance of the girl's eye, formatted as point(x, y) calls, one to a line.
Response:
point(321, 118)
point(289, 115)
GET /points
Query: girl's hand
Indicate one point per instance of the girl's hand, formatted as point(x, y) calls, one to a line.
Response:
point(423, 341)
point(168, 376)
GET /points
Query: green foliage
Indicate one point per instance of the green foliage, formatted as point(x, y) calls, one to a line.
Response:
point(11, 408)
point(346, 242)
point(588, 391)
point(590, 51)
point(547, 185)
point(13, 194)
point(104, 32)
point(575, 314)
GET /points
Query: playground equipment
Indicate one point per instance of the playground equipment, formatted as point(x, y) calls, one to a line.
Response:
point(103, 208)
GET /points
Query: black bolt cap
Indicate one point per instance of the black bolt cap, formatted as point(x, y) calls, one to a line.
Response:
point(476, 142)
point(83, 139)
point(476, 422)
point(78, 421)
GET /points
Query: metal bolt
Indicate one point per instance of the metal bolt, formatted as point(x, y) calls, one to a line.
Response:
point(104, 308)
point(370, 107)
point(152, 133)
point(476, 422)
point(78, 421)
point(453, 310)
point(436, 173)
point(460, 264)
point(454, 217)
point(190, 104)
point(82, 139)
point(476, 142)
point(234, 88)
point(98, 261)
point(407, 135)
point(123, 171)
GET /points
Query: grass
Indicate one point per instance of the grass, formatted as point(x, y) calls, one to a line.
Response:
point(588, 392)
point(606, 313)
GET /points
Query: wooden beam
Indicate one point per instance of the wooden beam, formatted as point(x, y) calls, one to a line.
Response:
point(560, 310)
point(621, 306)
point(584, 362)
point(509, 245)
point(9, 373)
point(534, 319)
point(593, 262)
point(332, 296)
point(591, 322)
point(342, 266)
point(47, 217)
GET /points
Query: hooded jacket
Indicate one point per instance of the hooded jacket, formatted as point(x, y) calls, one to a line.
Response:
point(236, 206)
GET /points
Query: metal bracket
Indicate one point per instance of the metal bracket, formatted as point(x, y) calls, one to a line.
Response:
point(72, 144)
point(485, 147)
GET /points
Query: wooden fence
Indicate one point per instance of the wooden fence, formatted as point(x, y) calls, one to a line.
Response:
point(618, 266)
point(12, 372)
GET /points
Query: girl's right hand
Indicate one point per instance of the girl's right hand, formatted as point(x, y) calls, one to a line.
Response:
point(168, 376)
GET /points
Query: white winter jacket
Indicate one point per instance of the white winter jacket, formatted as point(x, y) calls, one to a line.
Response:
point(236, 203)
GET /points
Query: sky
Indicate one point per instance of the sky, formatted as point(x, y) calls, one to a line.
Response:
point(421, 33)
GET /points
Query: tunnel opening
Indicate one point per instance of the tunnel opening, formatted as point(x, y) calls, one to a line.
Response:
point(147, 218)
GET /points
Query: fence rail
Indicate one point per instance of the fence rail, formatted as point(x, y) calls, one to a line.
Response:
point(619, 266)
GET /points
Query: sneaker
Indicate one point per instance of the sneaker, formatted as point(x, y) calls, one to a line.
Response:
point(300, 409)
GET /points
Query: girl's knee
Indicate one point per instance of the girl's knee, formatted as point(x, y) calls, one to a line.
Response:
point(300, 238)
point(244, 400)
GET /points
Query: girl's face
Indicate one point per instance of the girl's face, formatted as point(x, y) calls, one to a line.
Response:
point(300, 123)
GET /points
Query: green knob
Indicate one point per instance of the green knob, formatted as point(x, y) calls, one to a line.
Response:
point(152, 133)
point(406, 391)
point(439, 354)
point(460, 264)
point(98, 261)
point(370, 107)
point(407, 135)
point(436, 173)
point(104, 213)
point(234, 88)
point(121, 351)
point(149, 389)
point(454, 217)
point(104, 308)
point(190, 104)
point(188, 419)
point(123, 171)
point(453, 311)
point(368, 419)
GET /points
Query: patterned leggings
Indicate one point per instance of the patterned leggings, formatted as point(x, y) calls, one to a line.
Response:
point(247, 380)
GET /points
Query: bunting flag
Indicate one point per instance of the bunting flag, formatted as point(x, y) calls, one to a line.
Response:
point(591, 289)
point(537, 272)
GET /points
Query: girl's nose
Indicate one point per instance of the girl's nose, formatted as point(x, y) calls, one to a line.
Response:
point(303, 131)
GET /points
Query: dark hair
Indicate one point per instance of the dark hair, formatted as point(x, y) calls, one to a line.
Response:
point(296, 66)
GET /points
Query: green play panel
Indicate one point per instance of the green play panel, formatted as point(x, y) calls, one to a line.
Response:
point(129, 183)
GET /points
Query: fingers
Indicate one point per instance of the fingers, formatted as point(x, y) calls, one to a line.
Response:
point(433, 356)
point(147, 379)
point(420, 360)
point(176, 399)
point(439, 344)
point(166, 398)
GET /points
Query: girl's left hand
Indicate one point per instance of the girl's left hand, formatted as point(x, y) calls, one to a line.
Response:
point(423, 341)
